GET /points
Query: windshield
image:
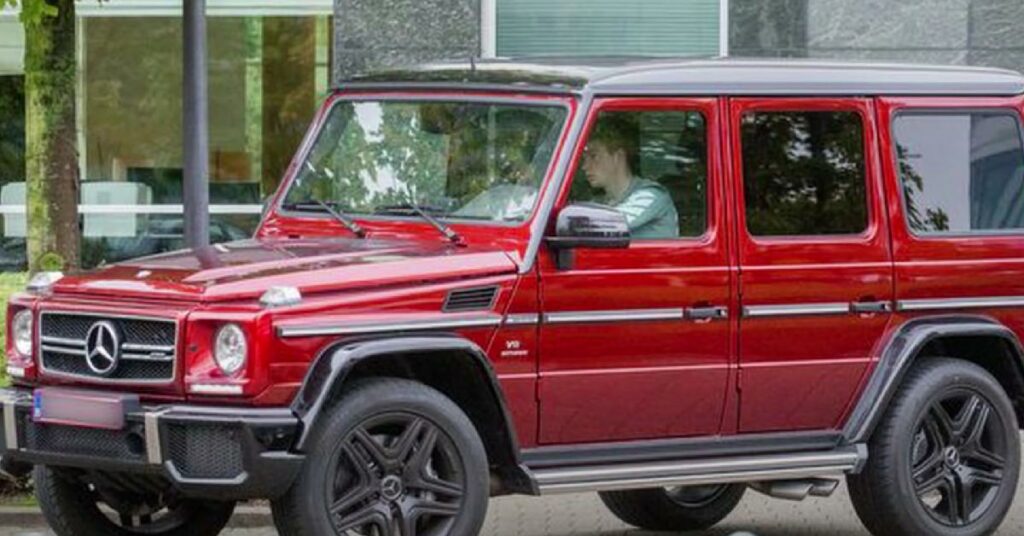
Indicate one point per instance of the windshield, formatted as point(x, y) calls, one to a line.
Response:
point(461, 160)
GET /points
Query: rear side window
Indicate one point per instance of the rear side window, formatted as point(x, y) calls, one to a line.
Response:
point(961, 172)
point(803, 173)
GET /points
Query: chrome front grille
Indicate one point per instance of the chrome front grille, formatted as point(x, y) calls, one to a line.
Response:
point(145, 347)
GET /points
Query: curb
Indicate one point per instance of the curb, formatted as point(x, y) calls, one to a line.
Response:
point(246, 517)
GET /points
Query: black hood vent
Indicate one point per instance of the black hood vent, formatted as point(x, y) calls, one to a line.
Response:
point(470, 299)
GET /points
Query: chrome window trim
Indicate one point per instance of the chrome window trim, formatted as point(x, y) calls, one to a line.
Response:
point(387, 327)
point(108, 381)
point(796, 309)
point(978, 302)
point(623, 315)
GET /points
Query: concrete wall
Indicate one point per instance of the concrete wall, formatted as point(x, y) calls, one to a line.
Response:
point(370, 34)
point(975, 32)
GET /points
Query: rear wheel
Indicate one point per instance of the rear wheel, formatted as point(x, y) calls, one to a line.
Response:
point(945, 458)
point(73, 506)
point(394, 458)
point(674, 509)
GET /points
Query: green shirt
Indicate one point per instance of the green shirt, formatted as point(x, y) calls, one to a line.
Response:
point(649, 210)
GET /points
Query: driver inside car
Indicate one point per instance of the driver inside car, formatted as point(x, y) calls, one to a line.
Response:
point(609, 162)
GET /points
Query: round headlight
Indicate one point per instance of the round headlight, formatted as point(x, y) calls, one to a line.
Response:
point(230, 349)
point(21, 331)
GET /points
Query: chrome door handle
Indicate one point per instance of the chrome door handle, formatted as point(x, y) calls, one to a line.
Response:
point(870, 307)
point(707, 313)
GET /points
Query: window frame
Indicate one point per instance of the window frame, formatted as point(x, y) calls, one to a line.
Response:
point(1007, 110)
point(708, 108)
point(873, 192)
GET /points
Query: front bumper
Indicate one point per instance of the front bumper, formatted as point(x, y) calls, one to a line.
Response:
point(204, 452)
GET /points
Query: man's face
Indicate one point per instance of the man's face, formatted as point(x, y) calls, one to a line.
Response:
point(599, 163)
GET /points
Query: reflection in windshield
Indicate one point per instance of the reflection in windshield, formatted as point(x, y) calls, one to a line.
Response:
point(463, 160)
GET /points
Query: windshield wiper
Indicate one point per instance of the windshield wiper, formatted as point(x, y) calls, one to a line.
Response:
point(319, 205)
point(422, 212)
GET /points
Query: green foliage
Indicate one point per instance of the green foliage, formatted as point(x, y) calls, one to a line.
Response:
point(51, 262)
point(804, 173)
point(9, 284)
point(34, 11)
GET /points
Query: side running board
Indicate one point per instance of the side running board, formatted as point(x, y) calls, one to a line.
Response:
point(769, 467)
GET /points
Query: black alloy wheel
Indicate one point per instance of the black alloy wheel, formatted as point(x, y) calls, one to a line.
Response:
point(958, 458)
point(395, 474)
point(675, 509)
point(944, 459)
point(391, 457)
point(74, 506)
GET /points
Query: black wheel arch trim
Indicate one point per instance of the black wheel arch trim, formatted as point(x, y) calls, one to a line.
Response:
point(899, 354)
point(334, 364)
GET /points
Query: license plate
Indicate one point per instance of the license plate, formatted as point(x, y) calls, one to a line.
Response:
point(85, 409)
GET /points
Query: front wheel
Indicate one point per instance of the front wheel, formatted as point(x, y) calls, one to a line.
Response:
point(71, 505)
point(394, 458)
point(674, 509)
point(945, 457)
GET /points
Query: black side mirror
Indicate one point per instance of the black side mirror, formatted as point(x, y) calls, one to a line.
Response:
point(588, 225)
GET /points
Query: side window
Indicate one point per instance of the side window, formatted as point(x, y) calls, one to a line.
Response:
point(803, 173)
point(651, 166)
point(961, 172)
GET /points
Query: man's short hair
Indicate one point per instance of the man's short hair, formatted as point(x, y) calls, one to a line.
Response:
point(619, 131)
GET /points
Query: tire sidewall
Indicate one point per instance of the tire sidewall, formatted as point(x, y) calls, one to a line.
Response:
point(928, 389)
point(371, 398)
point(69, 509)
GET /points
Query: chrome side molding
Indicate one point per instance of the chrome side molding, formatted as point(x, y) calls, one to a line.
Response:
point(981, 302)
point(621, 315)
point(796, 309)
point(760, 468)
point(365, 328)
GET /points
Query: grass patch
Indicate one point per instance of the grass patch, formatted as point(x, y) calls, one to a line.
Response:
point(9, 284)
point(20, 498)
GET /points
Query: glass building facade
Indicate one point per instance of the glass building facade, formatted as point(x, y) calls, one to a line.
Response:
point(269, 66)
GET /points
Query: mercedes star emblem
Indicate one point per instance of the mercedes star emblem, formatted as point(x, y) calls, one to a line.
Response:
point(102, 348)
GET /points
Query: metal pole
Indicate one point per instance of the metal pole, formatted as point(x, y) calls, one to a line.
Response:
point(195, 190)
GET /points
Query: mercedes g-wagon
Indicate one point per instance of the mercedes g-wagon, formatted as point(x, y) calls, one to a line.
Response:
point(663, 281)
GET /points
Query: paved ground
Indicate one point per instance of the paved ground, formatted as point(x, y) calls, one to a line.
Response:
point(584, 515)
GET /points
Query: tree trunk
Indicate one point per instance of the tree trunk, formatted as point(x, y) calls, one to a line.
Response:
point(51, 140)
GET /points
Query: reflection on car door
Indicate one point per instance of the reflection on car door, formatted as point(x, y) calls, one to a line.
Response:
point(619, 359)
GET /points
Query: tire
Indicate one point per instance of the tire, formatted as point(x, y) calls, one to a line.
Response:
point(71, 507)
point(953, 425)
point(674, 509)
point(367, 461)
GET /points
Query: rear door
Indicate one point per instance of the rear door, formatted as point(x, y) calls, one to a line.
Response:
point(813, 247)
point(636, 343)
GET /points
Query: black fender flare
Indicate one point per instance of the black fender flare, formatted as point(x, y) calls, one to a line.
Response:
point(898, 355)
point(334, 364)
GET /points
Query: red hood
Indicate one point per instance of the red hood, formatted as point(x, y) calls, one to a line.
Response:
point(244, 270)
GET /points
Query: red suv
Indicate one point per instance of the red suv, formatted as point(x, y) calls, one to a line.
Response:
point(662, 281)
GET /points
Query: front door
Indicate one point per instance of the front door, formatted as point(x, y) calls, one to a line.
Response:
point(816, 272)
point(636, 342)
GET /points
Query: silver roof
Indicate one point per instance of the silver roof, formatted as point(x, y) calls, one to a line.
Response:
point(704, 76)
